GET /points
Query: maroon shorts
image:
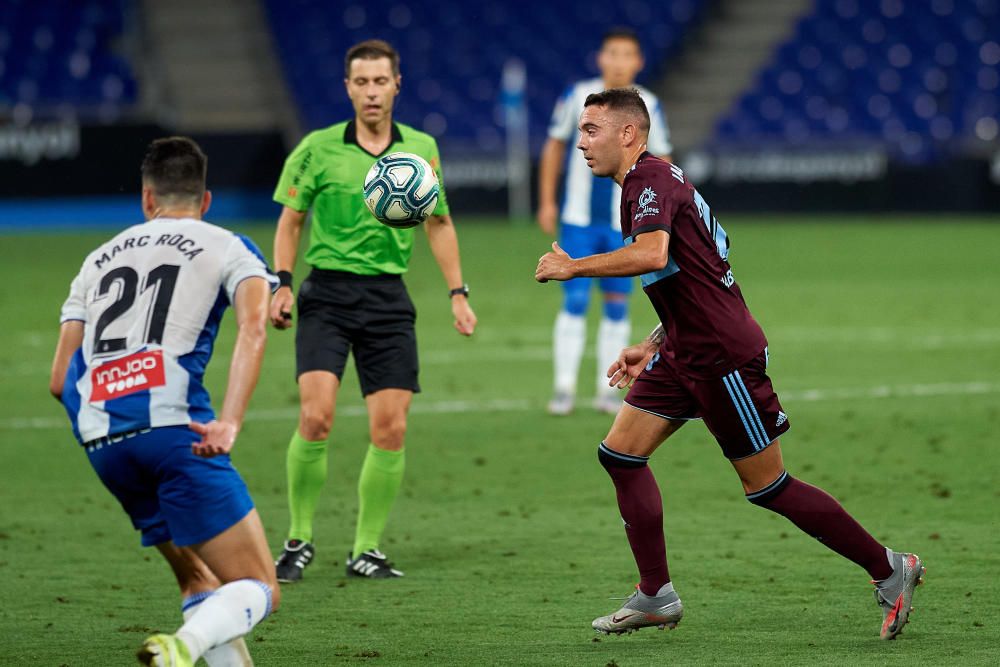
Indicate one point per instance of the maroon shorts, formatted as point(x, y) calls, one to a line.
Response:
point(740, 409)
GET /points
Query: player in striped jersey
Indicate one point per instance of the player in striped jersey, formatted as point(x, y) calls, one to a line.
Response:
point(590, 222)
point(137, 333)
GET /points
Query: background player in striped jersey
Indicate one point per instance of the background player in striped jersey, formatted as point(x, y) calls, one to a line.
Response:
point(707, 360)
point(590, 222)
point(137, 333)
point(354, 302)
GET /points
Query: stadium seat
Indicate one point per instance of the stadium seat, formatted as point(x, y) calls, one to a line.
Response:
point(57, 55)
point(912, 76)
point(453, 54)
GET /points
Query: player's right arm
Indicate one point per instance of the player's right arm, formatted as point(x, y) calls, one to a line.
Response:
point(561, 129)
point(549, 171)
point(70, 339)
point(71, 333)
point(286, 246)
point(649, 252)
point(250, 304)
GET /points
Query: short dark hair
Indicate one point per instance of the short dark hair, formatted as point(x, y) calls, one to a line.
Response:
point(627, 100)
point(621, 32)
point(372, 49)
point(175, 167)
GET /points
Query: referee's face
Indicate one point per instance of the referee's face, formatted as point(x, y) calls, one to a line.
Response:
point(372, 87)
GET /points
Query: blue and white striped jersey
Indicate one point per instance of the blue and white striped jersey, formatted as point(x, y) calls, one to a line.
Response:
point(588, 199)
point(151, 300)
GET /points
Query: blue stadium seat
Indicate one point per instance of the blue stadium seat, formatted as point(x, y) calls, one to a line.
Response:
point(57, 55)
point(912, 76)
point(453, 53)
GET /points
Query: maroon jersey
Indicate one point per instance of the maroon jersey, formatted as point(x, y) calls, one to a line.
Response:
point(709, 330)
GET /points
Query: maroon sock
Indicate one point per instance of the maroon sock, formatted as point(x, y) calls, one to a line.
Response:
point(642, 511)
point(817, 513)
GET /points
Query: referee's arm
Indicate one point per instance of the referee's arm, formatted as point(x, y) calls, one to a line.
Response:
point(286, 249)
point(444, 244)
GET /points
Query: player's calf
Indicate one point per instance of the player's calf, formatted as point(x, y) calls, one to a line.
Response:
point(230, 612)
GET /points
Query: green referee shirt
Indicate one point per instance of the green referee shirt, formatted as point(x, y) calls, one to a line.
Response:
point(326, 172)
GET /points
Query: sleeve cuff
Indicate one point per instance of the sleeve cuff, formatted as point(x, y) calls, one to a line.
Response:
point(272, 281)
point(290, 203)
point(651, 228)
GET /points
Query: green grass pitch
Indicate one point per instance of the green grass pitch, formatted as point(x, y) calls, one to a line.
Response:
point(885, 349)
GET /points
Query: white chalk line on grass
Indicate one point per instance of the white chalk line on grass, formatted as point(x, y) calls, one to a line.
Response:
point(515, 353)
point(526, 405)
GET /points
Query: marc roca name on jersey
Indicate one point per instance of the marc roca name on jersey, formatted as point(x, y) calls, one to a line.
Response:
point(184, 245)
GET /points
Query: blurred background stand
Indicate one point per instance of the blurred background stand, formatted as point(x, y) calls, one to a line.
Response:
point(515, 115)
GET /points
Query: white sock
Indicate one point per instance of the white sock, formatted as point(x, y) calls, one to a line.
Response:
point(230, 612)
point(568, 339)
point(231, 654)
point(664, 589)
point(612, 336)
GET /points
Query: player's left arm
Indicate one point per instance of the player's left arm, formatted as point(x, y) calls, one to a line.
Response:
point(251, 305)
point(70, 339)
point(444, 245)
point(649, 252)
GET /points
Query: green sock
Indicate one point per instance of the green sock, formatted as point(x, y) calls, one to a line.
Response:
point(306, 463)
point(381, 477)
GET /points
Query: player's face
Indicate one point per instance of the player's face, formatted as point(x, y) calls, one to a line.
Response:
point(619, 61)
point(372, 87)
point(600, 140)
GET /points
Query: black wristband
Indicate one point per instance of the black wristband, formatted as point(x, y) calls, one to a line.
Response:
point(284, 278)
point(463, 290)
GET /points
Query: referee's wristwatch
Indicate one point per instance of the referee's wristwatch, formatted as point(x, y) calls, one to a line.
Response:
point(463, 290)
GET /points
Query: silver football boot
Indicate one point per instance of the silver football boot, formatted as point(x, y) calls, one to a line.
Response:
point(895, 594)
point(642, 611)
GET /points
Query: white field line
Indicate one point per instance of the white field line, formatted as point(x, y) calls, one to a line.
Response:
point(526, 405)
point(511, 353)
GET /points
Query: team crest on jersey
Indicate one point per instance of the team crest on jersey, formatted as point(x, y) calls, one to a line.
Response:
point(128, 375)
point(646, 204)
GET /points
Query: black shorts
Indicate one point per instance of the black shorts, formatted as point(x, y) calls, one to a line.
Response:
point(371, 315)
point(740, 409)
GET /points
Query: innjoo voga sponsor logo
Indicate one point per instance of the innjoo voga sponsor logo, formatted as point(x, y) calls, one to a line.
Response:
point(128, 375)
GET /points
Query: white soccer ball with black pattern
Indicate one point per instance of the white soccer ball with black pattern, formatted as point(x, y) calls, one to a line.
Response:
point(401, 190)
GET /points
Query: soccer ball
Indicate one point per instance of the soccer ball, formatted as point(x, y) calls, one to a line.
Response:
point(401, 190)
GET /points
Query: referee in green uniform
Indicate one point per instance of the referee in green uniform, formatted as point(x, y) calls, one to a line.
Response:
point(354, 300)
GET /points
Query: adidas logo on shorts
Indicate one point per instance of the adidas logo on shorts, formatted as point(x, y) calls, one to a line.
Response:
point(782, 418)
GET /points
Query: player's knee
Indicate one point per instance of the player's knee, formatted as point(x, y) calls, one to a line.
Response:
point(575, 302)
point(389, 432)
point(199, 578)
point(193, 575)
point(611, 459)
point(767, 492)
point(615, 309)
point(315, 423)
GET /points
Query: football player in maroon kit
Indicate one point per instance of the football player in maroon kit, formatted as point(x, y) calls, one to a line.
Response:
point(706, 360)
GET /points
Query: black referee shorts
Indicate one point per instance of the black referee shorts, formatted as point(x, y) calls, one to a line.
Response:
point(371, 315)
